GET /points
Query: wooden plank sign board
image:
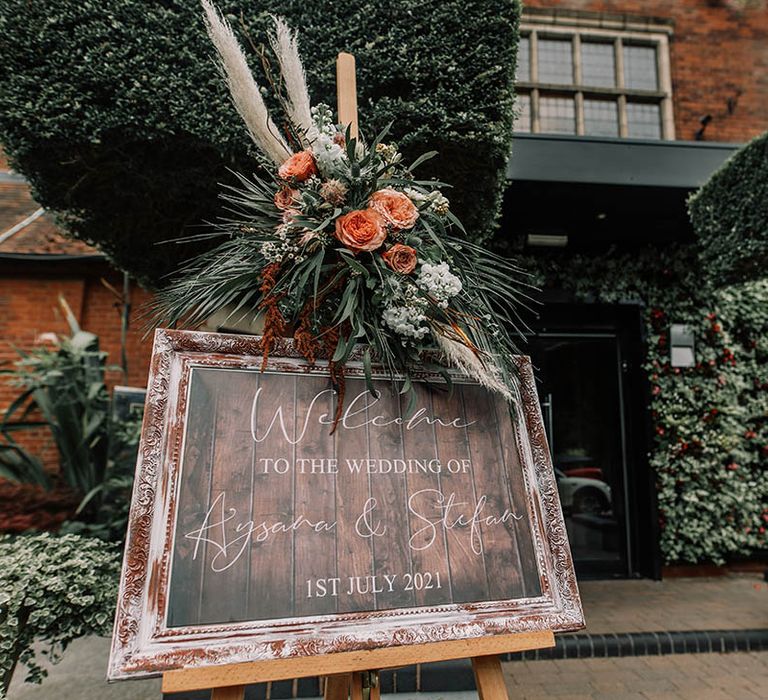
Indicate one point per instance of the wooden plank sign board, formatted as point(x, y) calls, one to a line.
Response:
point(257, 533)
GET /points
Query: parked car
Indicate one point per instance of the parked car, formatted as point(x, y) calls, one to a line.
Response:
point(579, 465)
point(579, 495)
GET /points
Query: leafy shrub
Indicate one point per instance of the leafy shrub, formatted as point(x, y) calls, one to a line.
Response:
point(65, 383)
point(133, 128)
point(730, 216)
point(108, 516)
point(53, 589)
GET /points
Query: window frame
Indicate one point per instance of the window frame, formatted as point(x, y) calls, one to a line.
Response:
point(624, 33)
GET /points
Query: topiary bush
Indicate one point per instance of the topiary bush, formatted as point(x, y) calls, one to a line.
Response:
point(53, 589)
point(118, 117)
point(730, 216)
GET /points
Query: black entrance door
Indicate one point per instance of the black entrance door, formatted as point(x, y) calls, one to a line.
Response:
point(587, 365)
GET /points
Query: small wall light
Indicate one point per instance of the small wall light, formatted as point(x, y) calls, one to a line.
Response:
point(681, 346)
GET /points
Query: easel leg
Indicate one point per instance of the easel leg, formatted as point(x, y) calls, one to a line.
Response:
point(489, 678)
point(360, 685)
point(230, 692)
point(337, 686)
point(375, 686)
point(357, 687)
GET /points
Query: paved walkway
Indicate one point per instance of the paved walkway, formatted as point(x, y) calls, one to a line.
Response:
point(80, 675)
point(739, 676)
point(735, 601)
point(727, 602)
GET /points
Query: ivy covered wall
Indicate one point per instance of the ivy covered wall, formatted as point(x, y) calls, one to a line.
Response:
point(710, 422)
point(118, 117)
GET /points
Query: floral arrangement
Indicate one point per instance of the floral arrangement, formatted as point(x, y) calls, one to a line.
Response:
point(337, 243)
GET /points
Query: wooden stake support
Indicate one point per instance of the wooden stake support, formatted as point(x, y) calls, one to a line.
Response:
point(346, 92)
point(345, 671)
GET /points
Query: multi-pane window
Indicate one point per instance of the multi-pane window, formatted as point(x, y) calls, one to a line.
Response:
point(593, 82)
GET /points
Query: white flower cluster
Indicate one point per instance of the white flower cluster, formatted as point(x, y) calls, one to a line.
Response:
point(284, 246)
point(328, 153)
point(438, 282)
point(414, 195)
point(439, 203)
point(436, 200)
point(406, 312)
point(406, 321)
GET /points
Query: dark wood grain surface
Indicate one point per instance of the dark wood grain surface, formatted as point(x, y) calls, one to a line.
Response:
point(279, 518)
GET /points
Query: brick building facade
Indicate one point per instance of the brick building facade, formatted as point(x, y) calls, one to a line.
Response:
point(37, 265)
point(718, 57)
point(606, 140)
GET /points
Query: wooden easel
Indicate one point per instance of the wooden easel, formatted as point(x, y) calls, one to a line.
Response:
point(348, 673)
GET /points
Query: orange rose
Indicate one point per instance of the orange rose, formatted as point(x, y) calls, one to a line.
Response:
point(395, 207)
point(363, 229)
point(298, 167)
point(401, 258)
point(286, 198)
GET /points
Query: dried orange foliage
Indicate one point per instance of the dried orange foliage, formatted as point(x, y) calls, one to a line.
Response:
point(274, 322)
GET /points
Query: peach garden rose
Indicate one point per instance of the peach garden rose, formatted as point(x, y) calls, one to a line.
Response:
point(286, 198)
point(361, 230)
point(300, 166)
point(396, 208)
point(401, 258)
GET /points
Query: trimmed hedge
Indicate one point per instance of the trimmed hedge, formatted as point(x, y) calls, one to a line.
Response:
point(117, 115)
point(730, 216)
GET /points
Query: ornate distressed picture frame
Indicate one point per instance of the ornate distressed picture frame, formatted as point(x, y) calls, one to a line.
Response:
point(261, 530)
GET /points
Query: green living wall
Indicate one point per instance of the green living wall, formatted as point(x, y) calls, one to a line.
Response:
point(117, 115)
point(710, 422)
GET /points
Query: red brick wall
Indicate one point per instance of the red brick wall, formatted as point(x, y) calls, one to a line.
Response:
point(102, 313)
point(29, 307)
point(716, 51)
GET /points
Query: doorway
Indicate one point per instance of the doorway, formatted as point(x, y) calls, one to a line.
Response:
point(587, 362)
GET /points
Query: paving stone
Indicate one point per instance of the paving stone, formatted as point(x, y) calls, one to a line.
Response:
point(735, 676)
point(647, 685)
point(734, 601)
